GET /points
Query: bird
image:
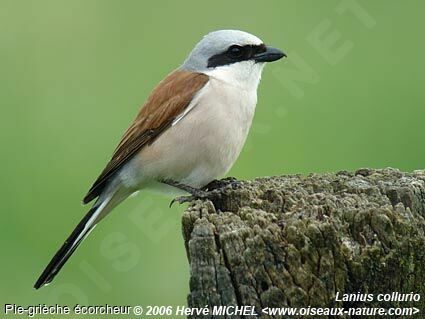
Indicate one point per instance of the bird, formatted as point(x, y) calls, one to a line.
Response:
point(188, 133)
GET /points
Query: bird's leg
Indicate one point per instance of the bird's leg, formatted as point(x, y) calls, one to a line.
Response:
point(191, 190)
point(195, 193)
point(222, 183)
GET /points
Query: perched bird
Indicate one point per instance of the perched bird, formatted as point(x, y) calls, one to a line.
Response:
point(189, 132)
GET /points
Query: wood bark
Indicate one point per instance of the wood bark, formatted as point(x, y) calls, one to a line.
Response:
point(297, 241)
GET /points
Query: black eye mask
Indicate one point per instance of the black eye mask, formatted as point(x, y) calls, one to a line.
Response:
point(235, 53)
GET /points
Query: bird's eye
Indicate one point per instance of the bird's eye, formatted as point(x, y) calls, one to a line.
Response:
point(236, 51)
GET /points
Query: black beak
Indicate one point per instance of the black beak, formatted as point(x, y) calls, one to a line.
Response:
point(271, 54)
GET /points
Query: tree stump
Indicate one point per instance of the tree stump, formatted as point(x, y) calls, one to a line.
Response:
point(297, 241)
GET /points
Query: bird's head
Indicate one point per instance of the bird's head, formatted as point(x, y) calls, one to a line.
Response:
point(232, 55)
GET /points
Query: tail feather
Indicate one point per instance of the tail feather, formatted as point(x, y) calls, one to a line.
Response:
point(70, 245)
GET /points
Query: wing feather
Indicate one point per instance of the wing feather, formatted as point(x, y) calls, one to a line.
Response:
point(167, 101)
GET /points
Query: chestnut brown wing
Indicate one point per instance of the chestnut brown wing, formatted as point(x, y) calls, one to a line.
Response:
point(167, 101)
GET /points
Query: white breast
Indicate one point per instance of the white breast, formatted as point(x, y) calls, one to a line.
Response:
point(203, 144)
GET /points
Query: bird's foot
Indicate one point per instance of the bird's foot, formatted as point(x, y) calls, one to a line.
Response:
point(211, 192)
point(212, 195)
point(222, 183)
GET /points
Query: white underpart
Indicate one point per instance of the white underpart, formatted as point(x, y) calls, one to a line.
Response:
point(206, 140)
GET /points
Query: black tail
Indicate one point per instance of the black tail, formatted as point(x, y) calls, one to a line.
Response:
point(69, 246)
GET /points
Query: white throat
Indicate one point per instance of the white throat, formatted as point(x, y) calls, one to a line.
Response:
point(245, 75)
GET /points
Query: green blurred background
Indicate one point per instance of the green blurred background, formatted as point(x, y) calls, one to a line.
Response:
point(74, 73)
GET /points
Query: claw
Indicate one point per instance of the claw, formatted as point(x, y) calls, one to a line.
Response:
point(182, 199)
point(210, 195)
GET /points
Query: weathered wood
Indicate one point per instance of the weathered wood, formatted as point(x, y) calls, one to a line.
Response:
point(298, 240)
